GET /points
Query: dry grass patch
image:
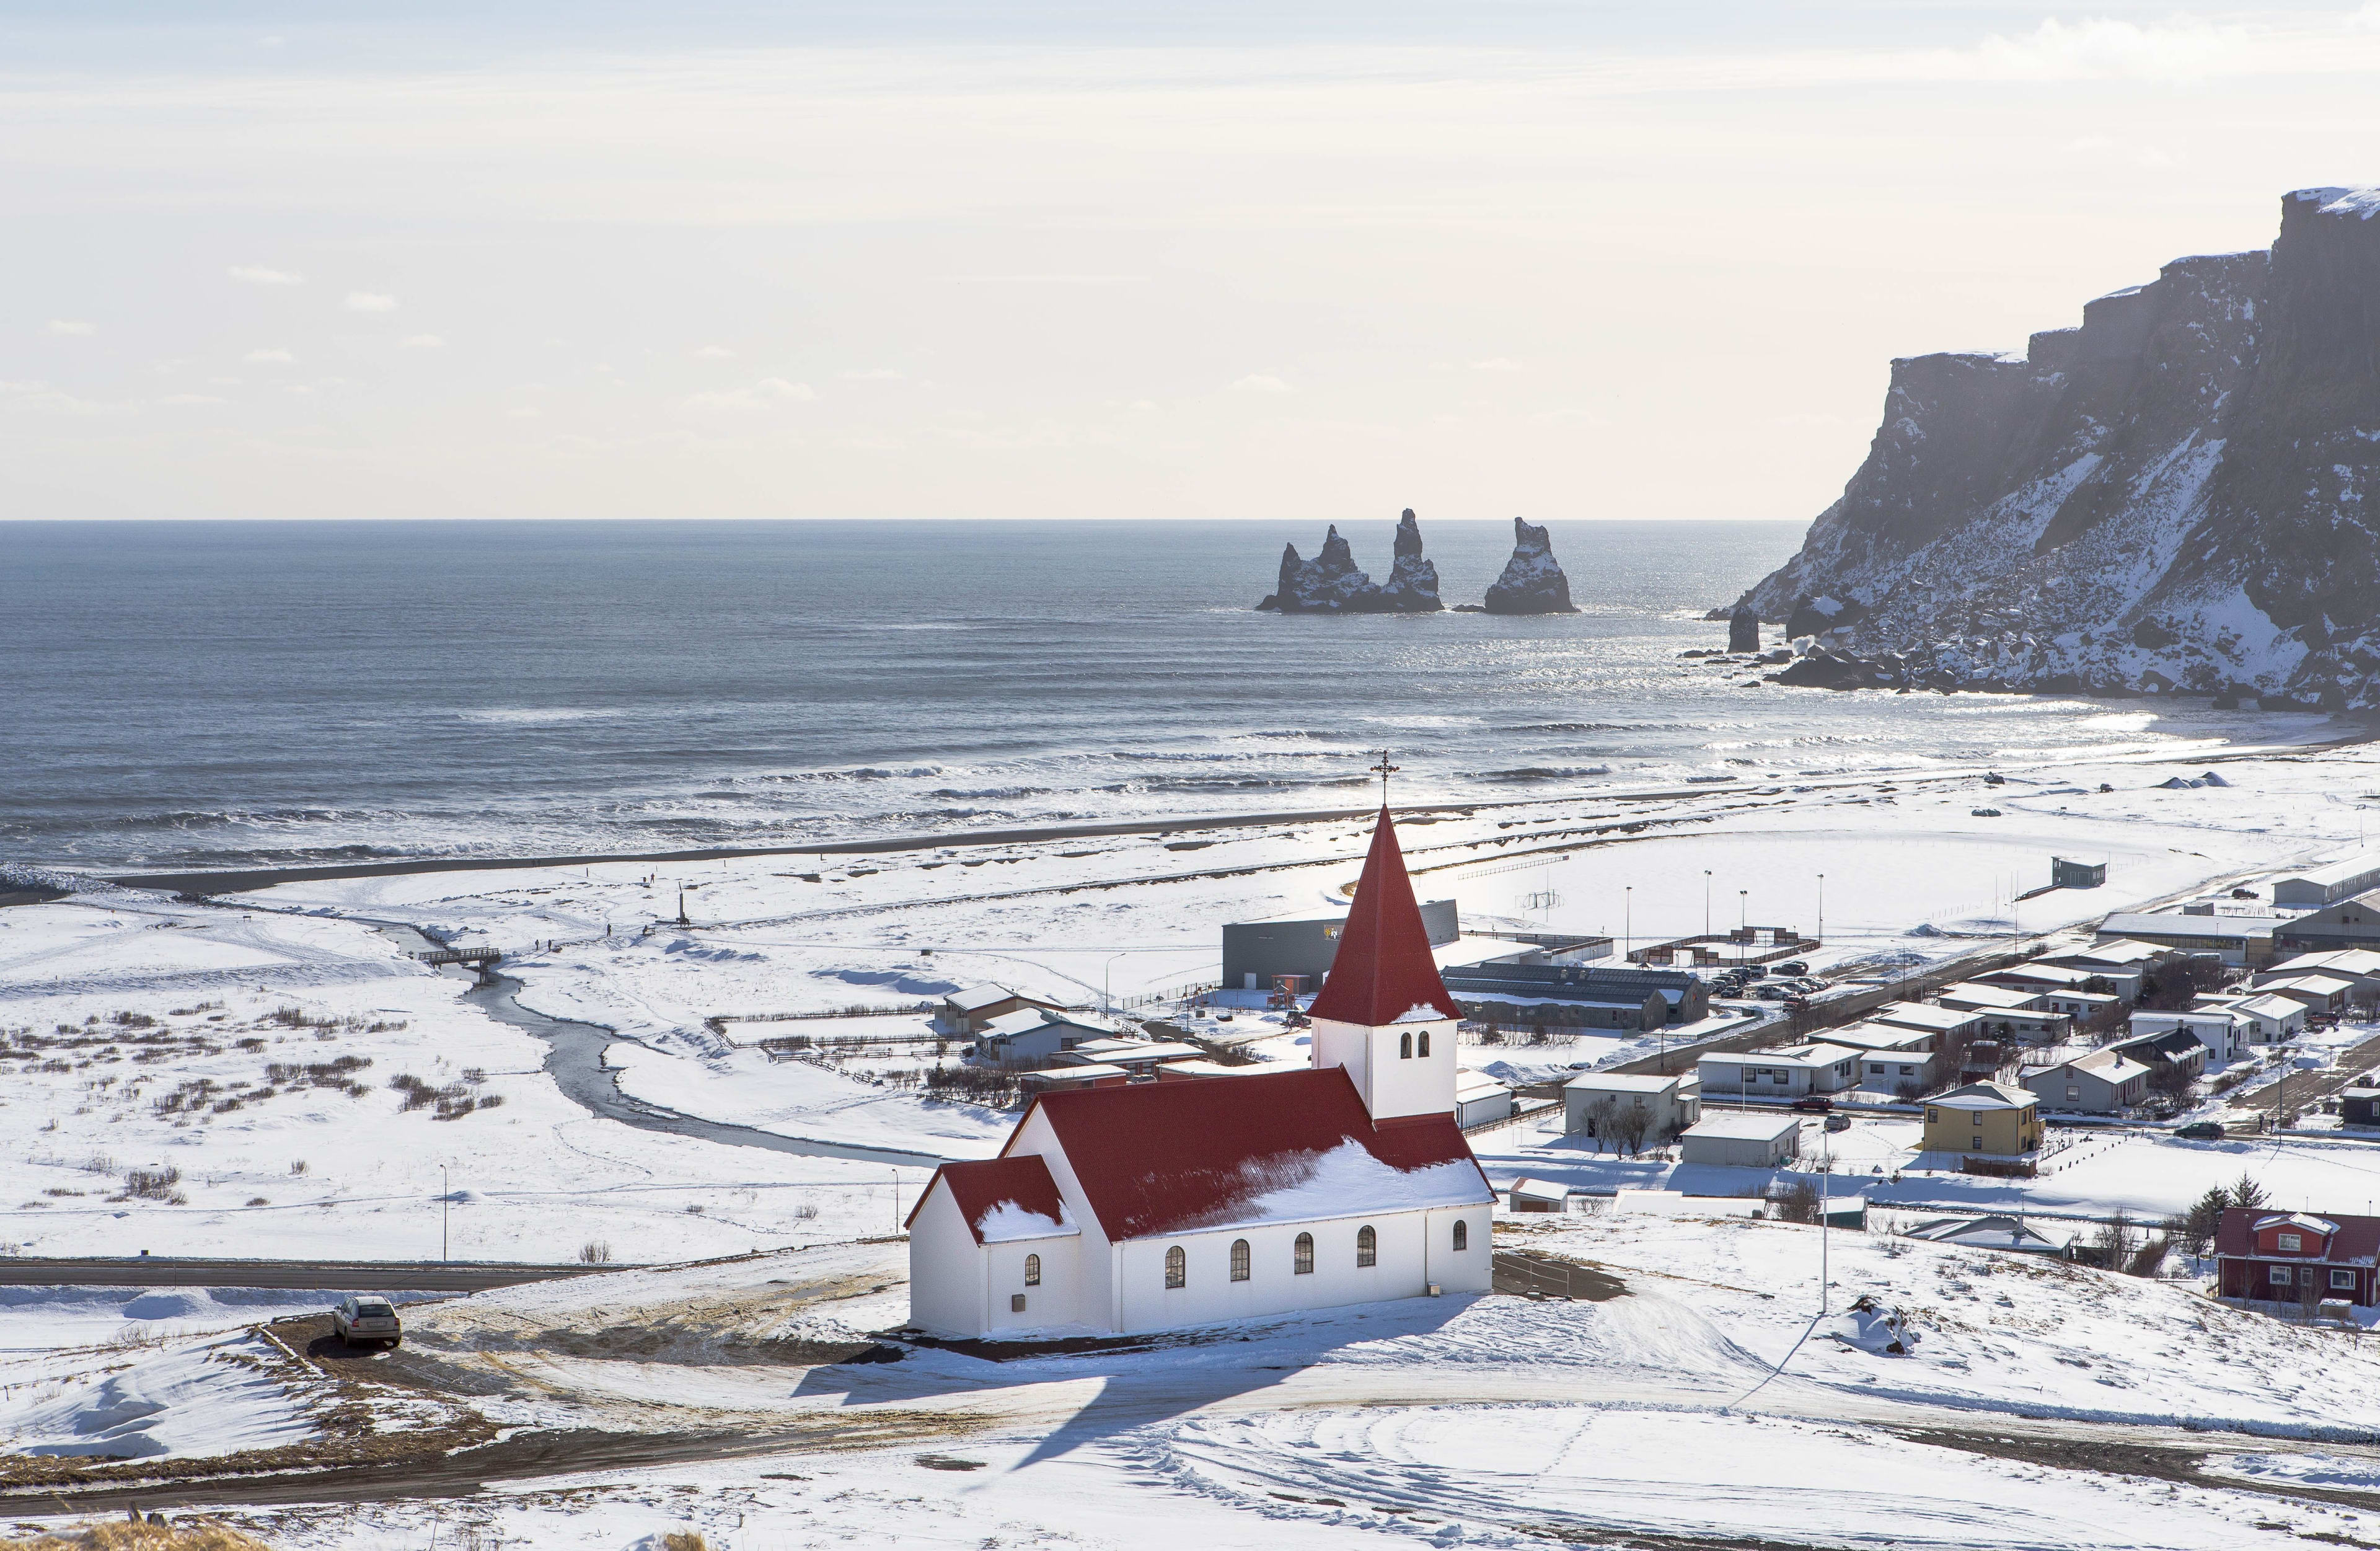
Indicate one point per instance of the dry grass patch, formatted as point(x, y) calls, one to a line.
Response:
point(120, 1534)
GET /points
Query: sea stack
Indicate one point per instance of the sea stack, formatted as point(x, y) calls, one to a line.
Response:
point(1329, 583)
point(1742, 630)
point(1533, 580)
point(1412, 582)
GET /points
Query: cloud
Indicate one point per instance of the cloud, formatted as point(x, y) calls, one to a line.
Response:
point(1496, 363)
point(1259, 381)
point(422, 342)
point(768, 391)
point(2101, 48)
point(257, 275)
point(70, 325)
point(191, 398)
point(875, 374)
point(371, 301)
point(713, 352)
point(269, 358)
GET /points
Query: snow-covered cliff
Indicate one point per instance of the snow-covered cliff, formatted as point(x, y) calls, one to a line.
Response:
point(2175, 495)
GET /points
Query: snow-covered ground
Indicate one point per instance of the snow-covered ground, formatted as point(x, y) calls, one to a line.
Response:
point(1707, 1400)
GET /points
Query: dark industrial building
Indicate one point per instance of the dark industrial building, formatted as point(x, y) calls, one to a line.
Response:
point(1259, 953)
point(2076, 874)
point(1538, 987)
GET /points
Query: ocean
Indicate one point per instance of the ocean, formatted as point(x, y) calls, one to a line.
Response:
point(219, 693)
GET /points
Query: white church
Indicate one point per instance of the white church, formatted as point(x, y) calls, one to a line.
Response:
point(1157, 1205)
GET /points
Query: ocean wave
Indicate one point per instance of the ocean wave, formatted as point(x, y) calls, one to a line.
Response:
point(1540, 773)
point(537, 716)
point(855, 773)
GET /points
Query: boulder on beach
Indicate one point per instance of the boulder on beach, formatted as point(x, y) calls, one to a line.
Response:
point(1533, 580)
point(1330, 583)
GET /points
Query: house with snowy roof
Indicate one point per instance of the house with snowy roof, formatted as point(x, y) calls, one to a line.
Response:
point(1150, 1205)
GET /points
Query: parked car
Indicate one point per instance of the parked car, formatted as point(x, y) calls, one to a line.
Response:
point(2201, 1131)
point(1792, 967)
point(363, 1319)
point(1838, 1122)
point(1769, 993)
point(1816, 1104)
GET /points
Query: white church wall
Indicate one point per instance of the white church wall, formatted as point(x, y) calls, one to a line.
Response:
point(1414, 1250)
point(1047, 1306)
point(945, 1268)
point(1390, 1083)
point(1094, 1292)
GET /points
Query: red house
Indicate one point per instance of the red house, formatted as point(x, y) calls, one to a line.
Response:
point(2275, 1256)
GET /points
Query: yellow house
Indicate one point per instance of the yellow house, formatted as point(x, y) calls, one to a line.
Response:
point(1984, 1117)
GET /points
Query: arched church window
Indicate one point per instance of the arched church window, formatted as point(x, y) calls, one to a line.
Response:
point(1033, 1269)
point(1461, 1233)
point(1405, 1047)
point(1424, 1041)
point(1303, 1264)
point(1368, 1246)
point(1177, 1267)
point(1239, 1259)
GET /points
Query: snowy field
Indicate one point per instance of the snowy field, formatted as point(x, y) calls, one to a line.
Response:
point(1707, 1400)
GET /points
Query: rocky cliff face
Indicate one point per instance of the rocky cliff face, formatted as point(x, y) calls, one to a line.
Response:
point(1532, 581)
point(1329, 583)
point(2178, 494)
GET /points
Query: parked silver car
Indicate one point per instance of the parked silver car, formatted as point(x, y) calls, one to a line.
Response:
point(365, 1318)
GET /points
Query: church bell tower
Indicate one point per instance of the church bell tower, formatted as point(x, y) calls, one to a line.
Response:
point(1383, 1013)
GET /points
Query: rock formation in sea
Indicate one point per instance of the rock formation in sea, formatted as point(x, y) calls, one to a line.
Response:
point(1533, 580)
point(1742, 630)
point(2182, 494)
point(1329, 583)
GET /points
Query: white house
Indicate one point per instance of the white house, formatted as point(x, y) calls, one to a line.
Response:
point(2224, 1037)
point(1150, 1205)
point(2264, 1019)
point(1890, 1057)
point(1942, 1022)
point(1789, 1073)
point(1676, 1101)
point(1743, 1141)
point(1479, 1099)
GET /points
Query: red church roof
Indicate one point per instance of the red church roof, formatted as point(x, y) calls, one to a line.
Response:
point(1383, 968)
point(980, 1189)
point(1163, 1157)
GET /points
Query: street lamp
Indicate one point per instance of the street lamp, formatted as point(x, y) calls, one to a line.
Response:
point(1107, 1003)
point(1627, 922)
point(1707, 901)
point(1822, 907)
point(444, 1198)
point(1742, 923)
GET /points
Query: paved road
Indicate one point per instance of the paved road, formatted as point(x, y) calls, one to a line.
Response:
point(153, 1271)
point(2304, 1088)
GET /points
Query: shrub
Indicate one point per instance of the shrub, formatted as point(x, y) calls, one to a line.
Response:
point(296, 1165)
point(805, 1211)
point(595, 1251)
point(685, 1540)
point(151, 1184)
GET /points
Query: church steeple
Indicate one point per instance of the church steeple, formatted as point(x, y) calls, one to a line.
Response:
point(1383, 1013)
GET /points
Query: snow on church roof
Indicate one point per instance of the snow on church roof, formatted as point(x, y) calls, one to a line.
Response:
point(1003, 1199)
point(1384, 969)
point(1168, 1157)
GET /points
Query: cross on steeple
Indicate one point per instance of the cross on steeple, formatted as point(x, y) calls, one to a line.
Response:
point(1384, 770)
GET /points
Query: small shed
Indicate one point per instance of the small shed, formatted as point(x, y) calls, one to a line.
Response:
point(1539, 1195)
point(1742, 1141)
point(2011, 1234)
point(1056, 1080)
point(1478, 1100)
point(2359, 1105)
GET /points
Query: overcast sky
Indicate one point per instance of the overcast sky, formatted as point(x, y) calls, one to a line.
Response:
point(1250, 260)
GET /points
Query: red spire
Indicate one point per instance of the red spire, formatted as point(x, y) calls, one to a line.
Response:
point(1383, 968)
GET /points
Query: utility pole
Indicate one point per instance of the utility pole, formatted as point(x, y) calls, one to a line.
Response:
point(443, 1199)
point(1627, 922)
point(1707, 901)
point(1826, 1199)
point(1822, 907)
point(1742, 923)
point(896, 1201)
